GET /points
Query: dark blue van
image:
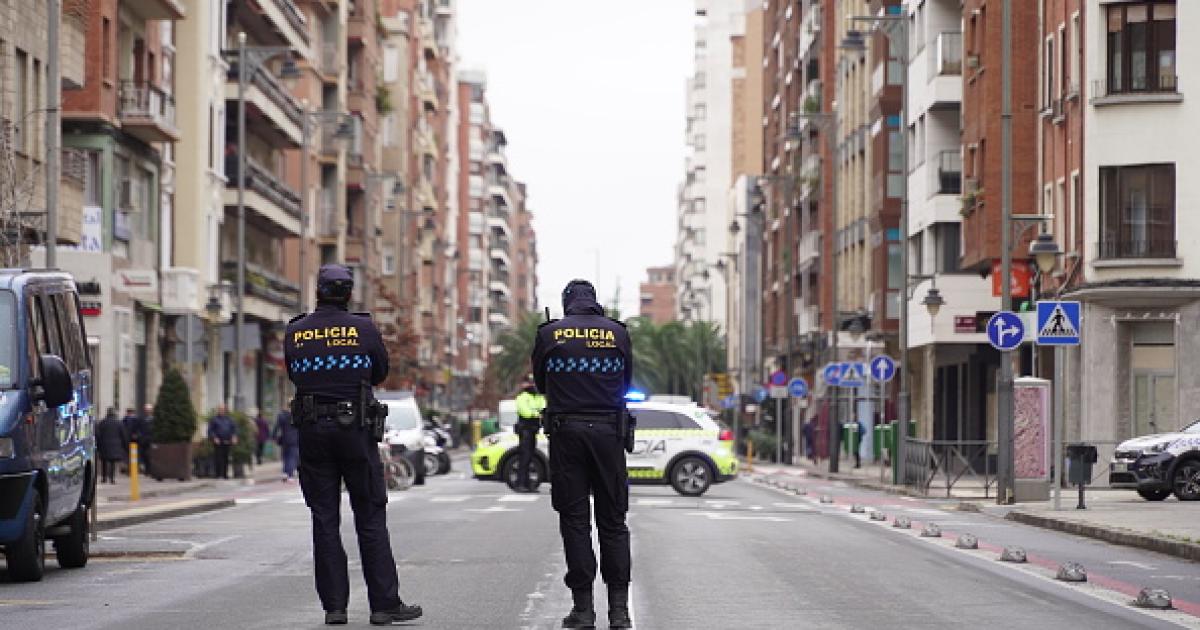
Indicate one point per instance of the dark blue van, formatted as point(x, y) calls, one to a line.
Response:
point(47, 443)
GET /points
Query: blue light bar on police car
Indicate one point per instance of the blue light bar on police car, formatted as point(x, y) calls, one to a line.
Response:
point(634, 395)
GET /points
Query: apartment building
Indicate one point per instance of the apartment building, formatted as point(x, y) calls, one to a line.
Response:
point(1139, 273)
point(121, 124)
point(657, 295)
point(523, 280)
point(481, 221)
point(703, 211)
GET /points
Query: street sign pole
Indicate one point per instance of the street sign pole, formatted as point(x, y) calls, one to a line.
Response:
point(1059, 416)
point(778, 431)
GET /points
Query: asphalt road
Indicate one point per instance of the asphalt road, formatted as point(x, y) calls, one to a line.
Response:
point(475, 556)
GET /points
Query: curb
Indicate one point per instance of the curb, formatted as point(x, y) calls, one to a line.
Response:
point(1179, 549)
point(123, 498)
point(167, 511)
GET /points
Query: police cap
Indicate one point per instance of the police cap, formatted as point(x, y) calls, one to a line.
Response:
point(335, 283)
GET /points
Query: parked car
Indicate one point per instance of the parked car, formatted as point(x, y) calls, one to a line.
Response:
point(403, 431)
point(676, 443)
point(47, 436)
point(1160, 465)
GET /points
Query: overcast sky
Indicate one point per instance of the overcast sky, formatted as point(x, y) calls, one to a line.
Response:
point(591, 97)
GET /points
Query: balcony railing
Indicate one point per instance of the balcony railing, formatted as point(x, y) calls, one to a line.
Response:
point(948, 175)
point(948, 54)
point(1164, 82)
point(270, 86)
point(1153, 247)
point(265, 183)
point(141, 102)
point(294, 17)
point(264, 283)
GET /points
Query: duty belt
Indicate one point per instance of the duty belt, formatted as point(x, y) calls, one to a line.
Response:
point(610, 417)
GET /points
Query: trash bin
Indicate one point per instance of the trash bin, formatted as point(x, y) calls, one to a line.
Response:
point(1080, 460)
point(850, 438)
point(880, 435)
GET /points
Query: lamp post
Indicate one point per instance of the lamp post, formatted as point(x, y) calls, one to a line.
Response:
point(1045, 252)
point(249, 58)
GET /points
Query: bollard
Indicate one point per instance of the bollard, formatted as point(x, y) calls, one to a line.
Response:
point(476, 432)
point(134, 492)
point(749, 456)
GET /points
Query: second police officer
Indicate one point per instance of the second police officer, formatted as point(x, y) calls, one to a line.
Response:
point(333, 358)
point(583, 363)
point(530, 405)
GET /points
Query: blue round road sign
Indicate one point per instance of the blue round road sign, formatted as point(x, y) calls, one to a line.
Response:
point(883, 368)
point(1005, 331)
point(832, 373)
point(760, 394)
point(798, 388)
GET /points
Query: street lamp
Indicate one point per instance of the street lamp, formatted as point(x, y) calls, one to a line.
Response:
point(249, 58)
point(1045, 252)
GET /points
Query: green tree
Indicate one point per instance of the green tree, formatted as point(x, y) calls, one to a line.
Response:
point(174, 416)
point(510, 366)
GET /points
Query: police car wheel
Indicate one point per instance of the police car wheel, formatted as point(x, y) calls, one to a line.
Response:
point(509, 471)
point(691, 476)
point(1157, 494)
point(1186, 480)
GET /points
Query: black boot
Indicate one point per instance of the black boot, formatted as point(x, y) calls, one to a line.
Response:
point(335, 617)
point(618, 607)
point(402, 612)
point(583, 615)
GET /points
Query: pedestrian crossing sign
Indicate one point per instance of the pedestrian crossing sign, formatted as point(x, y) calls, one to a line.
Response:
point(1057, 323)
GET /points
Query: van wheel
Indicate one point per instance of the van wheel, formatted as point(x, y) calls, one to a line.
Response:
point(27, 556)
point(74, 548)
point(691, 477)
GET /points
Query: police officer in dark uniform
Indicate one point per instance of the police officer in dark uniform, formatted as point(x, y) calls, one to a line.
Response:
point(583, 363)
point(333, 358)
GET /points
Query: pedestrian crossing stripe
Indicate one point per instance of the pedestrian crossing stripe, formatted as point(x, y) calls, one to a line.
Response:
point(1058, 324)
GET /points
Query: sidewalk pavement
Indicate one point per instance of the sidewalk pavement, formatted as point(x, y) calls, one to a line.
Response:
point(1116, 516)
point(169, 498)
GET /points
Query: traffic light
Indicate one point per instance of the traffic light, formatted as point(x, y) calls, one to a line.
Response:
point(1025, 306)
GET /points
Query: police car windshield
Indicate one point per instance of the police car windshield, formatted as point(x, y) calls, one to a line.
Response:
point(8, 339)
point(401, 417)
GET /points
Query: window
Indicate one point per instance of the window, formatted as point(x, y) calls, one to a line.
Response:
point(1141, 47)
point(1076, 56)
point(1048, 75)
point(1060, 211)
point(105, 57)
point(22, 112)
point(949, 247)
point(389, 262)
point(895, 152)
point(1064, 60)
point(1075, 211)
point(1137, 211)
point(653, 419)
point(698, 142)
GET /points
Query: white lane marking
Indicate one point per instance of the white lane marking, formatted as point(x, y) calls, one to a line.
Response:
point(518, 498)
point(726, 516)
point(494, 508)
point(722, 502)
point(1130, 563)
point(790, 505)
point(450, 498)
point(294, 501)
point(250, 500)
point(197, 548)
point(655, 501)
point(396, 496)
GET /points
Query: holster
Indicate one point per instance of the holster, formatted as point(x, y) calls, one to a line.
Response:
point(303, 410)
point(628, 427)
point(372, 413)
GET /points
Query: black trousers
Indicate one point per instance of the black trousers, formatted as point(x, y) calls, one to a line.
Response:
point(527, 431)
point(108, 470)
point(588, 458)
point(330, 455)
point(221, 461)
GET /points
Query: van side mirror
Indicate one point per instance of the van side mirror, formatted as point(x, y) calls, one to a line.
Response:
point(56, 385)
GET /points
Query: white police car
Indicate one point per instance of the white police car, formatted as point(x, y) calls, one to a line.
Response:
point(675, 443)
point(1159, 465)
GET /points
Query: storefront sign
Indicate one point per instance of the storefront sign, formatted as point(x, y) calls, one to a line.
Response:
point(964, 324)
point(1021, 278)
point(137, 281)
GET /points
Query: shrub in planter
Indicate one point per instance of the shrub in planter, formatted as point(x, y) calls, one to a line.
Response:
point(173, 429)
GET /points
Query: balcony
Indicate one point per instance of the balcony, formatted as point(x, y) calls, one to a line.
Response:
point(271, 111)
point(499, 192)
point(476, 223)
point(809, 249)
point(500, 255)
point(1146, 247)
point(267, 195)
point(147, 112)
point(155, 9)
point(810, 29)
point(264, 284)
point(427, 91)
point(947, 56)
point(496, 286)
point(498, 319)
point(947, 176)
point(499, 225)
point(276, 23)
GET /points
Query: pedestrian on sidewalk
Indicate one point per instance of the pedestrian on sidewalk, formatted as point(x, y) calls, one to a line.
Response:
point(857, 442)
point(288, 437)
point(264, 434)
point(145, 436)
point(223, 433)
point(810, 439)
point(110, 445)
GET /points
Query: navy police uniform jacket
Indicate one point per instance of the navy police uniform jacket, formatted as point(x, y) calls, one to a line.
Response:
point(584, 361)
point(331, 352)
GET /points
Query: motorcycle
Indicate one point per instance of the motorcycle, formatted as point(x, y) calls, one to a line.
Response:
point(437, 440)
point(398, 473)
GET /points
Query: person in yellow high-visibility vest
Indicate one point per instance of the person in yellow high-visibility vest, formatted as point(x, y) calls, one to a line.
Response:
point(529, 413)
